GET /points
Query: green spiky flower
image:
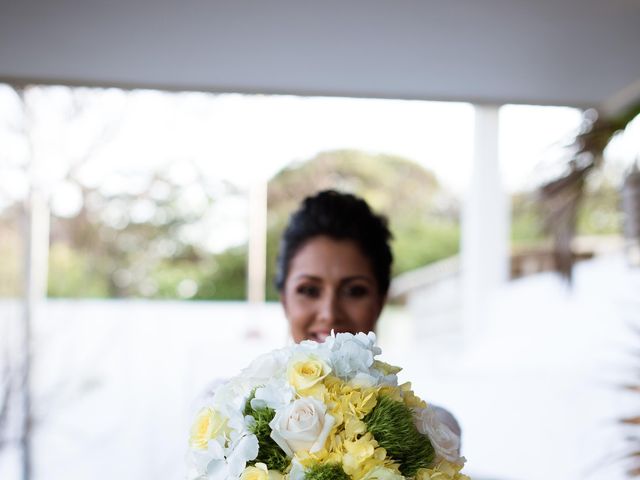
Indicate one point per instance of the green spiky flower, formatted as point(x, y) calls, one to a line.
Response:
point(391, 423)
point(327, 471)
point(269, 452)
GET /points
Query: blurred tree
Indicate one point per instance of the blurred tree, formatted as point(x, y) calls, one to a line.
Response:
point(115, 232)
point(599, 214)
point(526, 226)
point(226, 278)
point(133, 244)
point(10, 252)
point(422, 215)
point(563, 198)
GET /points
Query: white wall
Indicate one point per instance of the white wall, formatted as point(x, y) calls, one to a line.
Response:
point(569, 52)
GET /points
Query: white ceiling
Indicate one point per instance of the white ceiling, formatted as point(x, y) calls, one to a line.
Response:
point(564, 52)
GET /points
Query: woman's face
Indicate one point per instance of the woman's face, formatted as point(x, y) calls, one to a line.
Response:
point(330, 285)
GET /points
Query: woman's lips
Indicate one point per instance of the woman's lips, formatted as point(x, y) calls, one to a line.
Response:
point(319, 336)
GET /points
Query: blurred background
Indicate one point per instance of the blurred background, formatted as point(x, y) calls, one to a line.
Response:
point(151, 153)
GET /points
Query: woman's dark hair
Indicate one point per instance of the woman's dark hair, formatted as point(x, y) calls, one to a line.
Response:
point(341, 216)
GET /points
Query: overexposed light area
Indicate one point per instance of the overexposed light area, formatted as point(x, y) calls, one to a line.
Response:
point(532, 140)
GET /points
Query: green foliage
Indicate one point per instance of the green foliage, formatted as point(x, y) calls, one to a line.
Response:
point(11, 272)
point(269, 452)
point(391, 423)
point(327, 471)
point(168, 275)
point(526, 224)
point(600, 212)
point(425, 243)
point(225, 276)
point(71, 275)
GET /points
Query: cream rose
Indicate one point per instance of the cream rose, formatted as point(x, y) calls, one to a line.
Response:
point(445, 442)
point(305, 372)
point(302, 425)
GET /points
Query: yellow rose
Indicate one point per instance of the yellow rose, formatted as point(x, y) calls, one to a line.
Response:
point(260, 472)
point(208, 425)
point(304, 373)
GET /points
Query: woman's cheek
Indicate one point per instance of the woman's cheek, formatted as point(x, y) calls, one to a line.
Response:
point(299, 322)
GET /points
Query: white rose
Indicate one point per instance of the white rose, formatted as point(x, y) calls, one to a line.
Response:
point(267, 366)
point(302, 425)
point(445, 442)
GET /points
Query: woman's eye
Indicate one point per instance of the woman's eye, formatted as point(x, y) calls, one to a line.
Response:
point(308, 291)
point(356, 291)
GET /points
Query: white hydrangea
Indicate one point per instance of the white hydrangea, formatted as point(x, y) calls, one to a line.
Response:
point(297, 470)
point(275, 395)
point(234, 459)
point(352, 354)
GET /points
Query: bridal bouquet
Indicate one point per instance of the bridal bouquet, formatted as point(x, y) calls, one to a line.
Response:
point(321, 411)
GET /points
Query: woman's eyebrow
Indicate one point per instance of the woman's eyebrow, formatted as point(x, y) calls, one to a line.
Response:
point(307, 276)
point(358, 277)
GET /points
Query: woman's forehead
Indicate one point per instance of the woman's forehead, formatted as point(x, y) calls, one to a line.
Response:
point(324, 256)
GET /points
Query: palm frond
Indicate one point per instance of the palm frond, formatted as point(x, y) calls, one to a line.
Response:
point(562, 197)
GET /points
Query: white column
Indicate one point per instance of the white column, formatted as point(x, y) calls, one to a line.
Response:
point(36, 263)
point(485, 243)
point(257, 261)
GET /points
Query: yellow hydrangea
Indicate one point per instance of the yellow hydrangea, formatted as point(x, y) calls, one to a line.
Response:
point(307, 459)
point(386, 368)
point(442, 471)
point(209, 424)
point(345, 400)
point(383, 473)
point(409, 398)
point(364, 455)
point(403, 393)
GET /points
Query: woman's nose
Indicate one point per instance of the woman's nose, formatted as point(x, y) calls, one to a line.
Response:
point(329, 312)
